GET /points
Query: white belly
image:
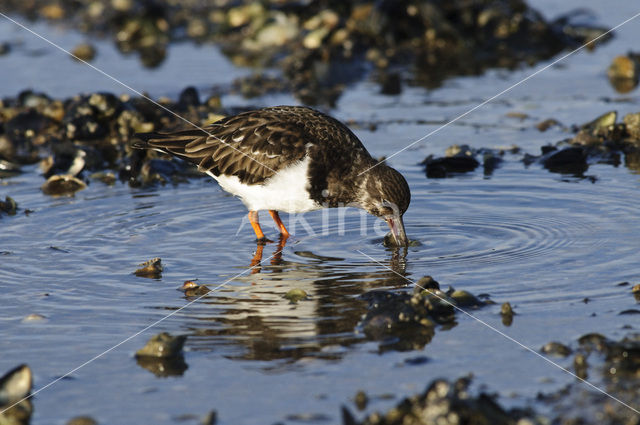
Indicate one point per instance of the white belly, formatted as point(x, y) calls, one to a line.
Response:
point(286, 191)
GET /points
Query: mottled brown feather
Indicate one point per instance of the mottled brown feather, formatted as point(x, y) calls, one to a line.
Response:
point(255, 145)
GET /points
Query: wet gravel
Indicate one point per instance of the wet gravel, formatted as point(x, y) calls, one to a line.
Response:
point(322, 45)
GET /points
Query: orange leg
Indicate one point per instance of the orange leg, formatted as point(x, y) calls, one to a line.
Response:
point(279, 223)
point(257, 257)
point(253, 218)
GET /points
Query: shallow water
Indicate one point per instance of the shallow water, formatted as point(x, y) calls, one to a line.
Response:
point(542, 241)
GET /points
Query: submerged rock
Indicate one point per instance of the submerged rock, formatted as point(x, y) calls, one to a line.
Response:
point(84, 51)
point(162, 345)
point(571, 160)
point(162, 355)
point(192, 289)
point(556, 349)
point(15, 385)
point(296, 294)
point(82, 420)
point(62, 185)
point(150, 268)
point(445, 402)
point(8, 206)
point(436, 168)
point(624, 72)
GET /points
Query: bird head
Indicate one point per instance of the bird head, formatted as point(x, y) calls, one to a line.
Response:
point(386, 194)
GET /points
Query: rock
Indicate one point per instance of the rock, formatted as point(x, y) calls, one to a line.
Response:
point(34, 317)
point(446, 403)
point(162, 345)
point(632, 125)
point(426, 283)
point(210, 418)
point(361, 400)
point(8, 206)
point(192, 289)
point(458, 159)
point(189, 97)
point(390, 83)
point(570, 160)
point(624, 72)
point(5, 48)
point(82, 420)
point(107, 178)
point(294, 295)
point(15, 385)
point(464, 298)
point(603, 121)
point(84, 51)
point(547, 124)
point(62, 185)
point(507, 314)
point(556, 349)
point(151, 269)
point(580, 365)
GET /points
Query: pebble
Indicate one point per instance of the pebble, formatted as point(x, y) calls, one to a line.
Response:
point(15, 384)
point(162, 345)
point(84, 51)
point(82, 420)
point(151, 269)
point(556, 349)
point(294, 295)
point(62, 185)
point(34, 317)
point(8, 206)
point(361, 400)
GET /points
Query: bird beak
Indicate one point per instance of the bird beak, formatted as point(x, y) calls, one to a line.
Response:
point(397, 230)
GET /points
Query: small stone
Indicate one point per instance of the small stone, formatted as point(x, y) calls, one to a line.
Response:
point(517, 115)
point(296, 294)
point(624, 73)
point(151, 269)
point(580, 365)
point(162, 345)
point(556, 349)
point(4, 48)
point(465, 298)
point(107, 178)
point(8, 206)
point(197, 28)
point(427, 282)
point(210, 418)
point(506, 309)
point(52, 11)
point(82, 420)
point(15, 385)
point(636, 289)
point(632, 125)
point(33, 317)
point(84, 51)
point(361, 400)
point(603, 121)
point(546, 124)
point(192, 289)
point(62, 185)
point(122, 5)
point(314, 39)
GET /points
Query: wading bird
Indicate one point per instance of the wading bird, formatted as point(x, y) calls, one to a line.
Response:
point(291, 159)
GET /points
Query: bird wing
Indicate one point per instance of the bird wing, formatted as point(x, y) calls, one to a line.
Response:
point(252, 146)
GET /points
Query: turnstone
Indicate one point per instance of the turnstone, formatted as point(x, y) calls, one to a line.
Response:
point(292, 159)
